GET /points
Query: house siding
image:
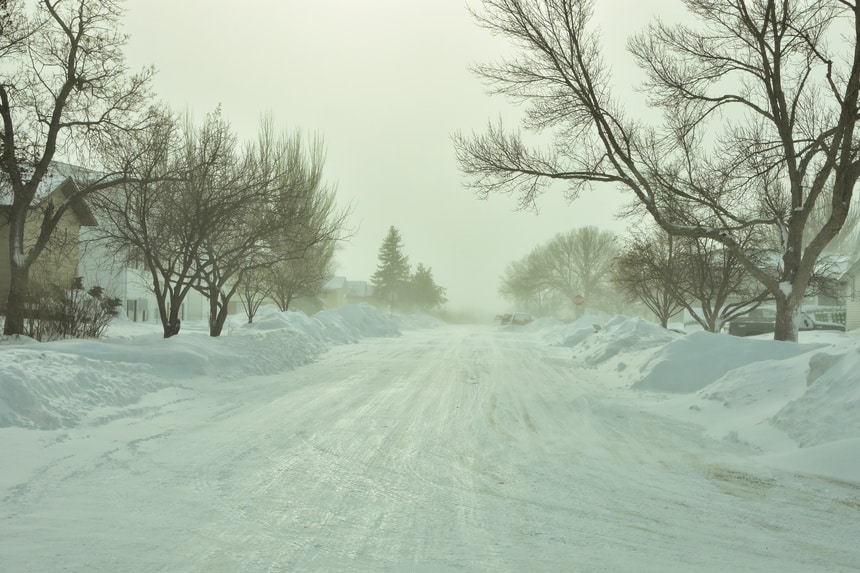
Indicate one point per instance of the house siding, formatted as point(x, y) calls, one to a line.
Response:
point(56, 265)
point(132, 286)
point(852, 303)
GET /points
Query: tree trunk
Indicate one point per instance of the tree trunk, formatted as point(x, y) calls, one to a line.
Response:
point(787, 318)
point(217, 326)
point(170, 322)
point(16, 302)
point(217, 313)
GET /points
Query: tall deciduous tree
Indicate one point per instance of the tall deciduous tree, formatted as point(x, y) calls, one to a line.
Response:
point(760, 112)
point(646, 270)
point(518, 285)
point(301, 276)
point(64, 86)
point(224, 213)
point(159, 220)
point(392, 272)
point(695, 274)
point(577, 262)
point(311, 224)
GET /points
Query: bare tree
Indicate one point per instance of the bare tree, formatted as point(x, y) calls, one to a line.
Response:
point(713, 285)
point(65, 86)
point(646, 270)
point(520, 283)
point(300, 276)
point(157, 220)
point(577, 262)
point(203, 214)
point(759, 123)
point(285, 212)
point(253, 292)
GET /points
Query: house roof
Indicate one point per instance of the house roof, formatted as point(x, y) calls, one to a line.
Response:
point(79, 206)
point(852, 270)
point(60, 178)
point(335, 283)
point(359, 288)
point(66, 188)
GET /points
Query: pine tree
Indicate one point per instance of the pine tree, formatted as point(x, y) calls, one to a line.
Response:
point(424, 293)
point(392, 273)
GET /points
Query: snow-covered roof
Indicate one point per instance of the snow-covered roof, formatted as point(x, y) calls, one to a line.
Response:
point(57, 173)
point(65, 187)
point(64, 178)
point(359, 288)
point(335, 283)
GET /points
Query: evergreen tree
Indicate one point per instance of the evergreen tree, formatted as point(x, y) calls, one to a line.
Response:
point(392, 273)
point(424, 293)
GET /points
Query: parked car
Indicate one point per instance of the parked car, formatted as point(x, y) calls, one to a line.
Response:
point(521, 318)
point(763, 321)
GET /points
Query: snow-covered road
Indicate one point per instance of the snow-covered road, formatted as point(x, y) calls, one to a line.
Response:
point(449, 449)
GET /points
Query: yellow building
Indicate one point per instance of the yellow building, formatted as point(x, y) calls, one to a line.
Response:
point(58, 263)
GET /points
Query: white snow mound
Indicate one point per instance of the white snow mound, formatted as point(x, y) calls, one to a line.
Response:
point(57, 384)
point(689, 363)
point(620, 335)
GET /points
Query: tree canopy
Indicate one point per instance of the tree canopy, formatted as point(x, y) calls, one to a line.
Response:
point(759, 105)
point(65, 87)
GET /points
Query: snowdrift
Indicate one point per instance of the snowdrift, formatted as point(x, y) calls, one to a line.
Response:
point(793, 404)
point(691, 362)
point(797, 405)
point(621, 335)
point(58, 384)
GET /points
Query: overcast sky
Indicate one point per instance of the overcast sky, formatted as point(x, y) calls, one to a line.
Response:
point(385, 83)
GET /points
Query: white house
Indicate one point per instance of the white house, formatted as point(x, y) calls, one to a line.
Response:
point(334, 292)
point(99, 267)
point(851, 280)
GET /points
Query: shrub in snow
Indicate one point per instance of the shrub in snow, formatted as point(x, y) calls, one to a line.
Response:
point(54, 313)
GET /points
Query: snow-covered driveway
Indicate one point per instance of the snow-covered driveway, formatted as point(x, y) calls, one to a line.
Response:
point(450, 449)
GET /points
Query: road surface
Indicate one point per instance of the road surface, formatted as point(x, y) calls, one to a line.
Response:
point(447, 449)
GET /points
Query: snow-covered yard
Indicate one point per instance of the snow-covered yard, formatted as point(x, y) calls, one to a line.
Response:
point(351, 441)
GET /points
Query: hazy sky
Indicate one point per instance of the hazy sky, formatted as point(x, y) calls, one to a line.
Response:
point(386, 83)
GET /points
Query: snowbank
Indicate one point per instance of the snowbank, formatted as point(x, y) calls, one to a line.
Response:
point(619, 343)
point(57, 384)
point(791, 404)
point(689, 363)
point(795, 405)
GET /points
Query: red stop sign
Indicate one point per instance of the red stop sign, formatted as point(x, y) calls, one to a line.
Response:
point(579, 300)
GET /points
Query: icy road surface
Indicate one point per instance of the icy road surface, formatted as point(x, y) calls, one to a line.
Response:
point(450, 449)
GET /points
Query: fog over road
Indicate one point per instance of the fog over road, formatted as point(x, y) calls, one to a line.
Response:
point(448, 449)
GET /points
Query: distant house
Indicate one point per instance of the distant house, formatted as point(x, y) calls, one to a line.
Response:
point(359, 291)
point(339, 291)
point(129, 281)
point(58, 264)
point(334, 292)
point(74, 251)
point(131, 284)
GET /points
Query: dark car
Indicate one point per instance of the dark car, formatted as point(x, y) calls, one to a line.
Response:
point(763, 321)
